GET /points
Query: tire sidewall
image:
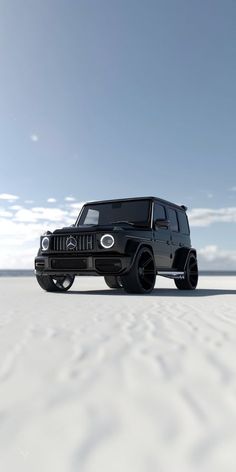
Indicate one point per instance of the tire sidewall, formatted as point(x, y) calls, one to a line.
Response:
point(131, 282)
point(191, 258)
point(46, 283)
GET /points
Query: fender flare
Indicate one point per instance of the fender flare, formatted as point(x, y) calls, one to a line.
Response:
point(191, 251)
point(140, 246)
point(182, 257)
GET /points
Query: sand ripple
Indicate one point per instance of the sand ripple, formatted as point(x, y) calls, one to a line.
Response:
point(99, 381)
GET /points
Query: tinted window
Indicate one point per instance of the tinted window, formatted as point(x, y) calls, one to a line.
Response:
point(173, 220)
point(159, 212)
point(183, 222)
point(91, 217)
point(134, 211)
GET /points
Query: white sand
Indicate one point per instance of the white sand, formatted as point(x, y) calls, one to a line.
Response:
point(99, 381)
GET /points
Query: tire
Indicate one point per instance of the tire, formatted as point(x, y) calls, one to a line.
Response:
point(142, 275)
point(55, 284)
point(113, 281)
point(191, 275)
point(52, 283)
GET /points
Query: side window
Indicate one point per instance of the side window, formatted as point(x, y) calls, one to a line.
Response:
point(173, 220)
point(183, 222)
point(159, 212)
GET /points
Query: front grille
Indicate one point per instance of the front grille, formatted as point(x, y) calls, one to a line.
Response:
point(84, 242)
point(65, 264)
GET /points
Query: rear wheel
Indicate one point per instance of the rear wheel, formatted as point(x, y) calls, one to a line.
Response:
point(113, 281)
point(191, 275)
point(52, 283)
point(142, 276)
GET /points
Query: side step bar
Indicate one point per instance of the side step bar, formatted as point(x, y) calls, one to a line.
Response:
point(171, 274)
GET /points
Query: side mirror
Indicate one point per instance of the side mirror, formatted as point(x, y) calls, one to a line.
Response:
point(161, 224)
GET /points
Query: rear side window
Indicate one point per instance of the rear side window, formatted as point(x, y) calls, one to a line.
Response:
point(159, 212)
point(183, 222)
point(173, 219)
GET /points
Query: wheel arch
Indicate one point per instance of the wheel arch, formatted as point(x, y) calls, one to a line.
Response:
point(136, 246)
point(143, 246)
point(181, 257)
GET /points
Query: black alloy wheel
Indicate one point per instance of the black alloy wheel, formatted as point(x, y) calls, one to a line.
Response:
point(142, 275)
point(53, 283)
point(190, 280)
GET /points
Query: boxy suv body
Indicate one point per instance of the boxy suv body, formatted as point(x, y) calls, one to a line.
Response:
point(127, 241)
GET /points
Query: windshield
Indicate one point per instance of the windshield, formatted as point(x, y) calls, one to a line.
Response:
point(134, 212)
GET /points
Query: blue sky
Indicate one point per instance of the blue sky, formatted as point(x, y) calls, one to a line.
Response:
point(108, 98)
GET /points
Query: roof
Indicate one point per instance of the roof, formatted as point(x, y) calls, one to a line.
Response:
point(157, 199)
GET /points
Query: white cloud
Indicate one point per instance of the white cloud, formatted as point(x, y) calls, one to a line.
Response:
point(51, 200)
point(75, 209)
point(208, 216)
point(9, 197)
point(5, 213)
point(21, 258)
point(32, 215)
point(233, 189)
point(212, 257)
point(34, 137)
point(69, 199)
point(15, 207)
point(19, 237)
point(29, 201)
point(21, 230)
point(19, 243)
point(77, 205)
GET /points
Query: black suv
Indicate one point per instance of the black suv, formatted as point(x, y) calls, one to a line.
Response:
point(128, 241)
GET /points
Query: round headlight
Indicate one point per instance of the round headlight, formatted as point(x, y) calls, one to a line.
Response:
point(107, 241)
point(45, 243)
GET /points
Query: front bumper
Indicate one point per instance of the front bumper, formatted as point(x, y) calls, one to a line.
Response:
point(82, 265)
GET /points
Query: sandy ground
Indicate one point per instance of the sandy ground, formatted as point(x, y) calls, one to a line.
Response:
point(99, 381)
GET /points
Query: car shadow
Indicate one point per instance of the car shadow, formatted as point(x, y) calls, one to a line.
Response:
point(158, 292)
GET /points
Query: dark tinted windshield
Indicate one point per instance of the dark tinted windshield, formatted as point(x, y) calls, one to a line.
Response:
point(134, 211)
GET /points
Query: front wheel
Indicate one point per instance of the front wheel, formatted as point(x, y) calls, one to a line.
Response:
point(142, 275)
point(113, 281)
point(52, 283)
point(191, 275)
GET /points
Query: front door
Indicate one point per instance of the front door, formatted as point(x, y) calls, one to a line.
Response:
point(162, 240)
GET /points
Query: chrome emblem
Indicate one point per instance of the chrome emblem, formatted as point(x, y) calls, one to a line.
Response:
point(71, 243)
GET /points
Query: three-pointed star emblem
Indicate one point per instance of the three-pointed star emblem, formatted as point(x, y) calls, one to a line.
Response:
point(71, 243)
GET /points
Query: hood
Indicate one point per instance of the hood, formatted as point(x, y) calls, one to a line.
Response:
point(90, 229)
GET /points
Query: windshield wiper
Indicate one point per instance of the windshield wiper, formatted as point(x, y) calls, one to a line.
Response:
point(123, 221)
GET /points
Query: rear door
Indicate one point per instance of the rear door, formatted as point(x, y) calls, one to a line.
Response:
point(176, 236)
point(162, 239)
point(184, 228)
